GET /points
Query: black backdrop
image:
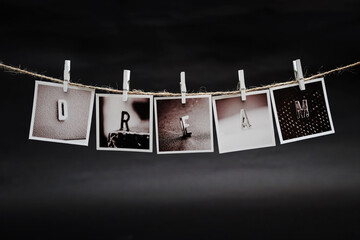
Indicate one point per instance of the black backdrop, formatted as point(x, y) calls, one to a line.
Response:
point(301, 190)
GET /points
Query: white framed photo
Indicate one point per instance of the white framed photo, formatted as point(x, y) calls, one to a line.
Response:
point(243, 125)
point(124, 125)
point(62, 117)
point(183, 128)
point(303, 114)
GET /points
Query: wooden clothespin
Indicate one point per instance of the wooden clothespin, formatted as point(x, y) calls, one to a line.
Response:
point(182, 87)
point(242, 85)
point(126, 84)
point(299, 74)
point(66, 75)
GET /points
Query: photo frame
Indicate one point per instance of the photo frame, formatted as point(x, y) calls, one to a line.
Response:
point(173, 119)
point(243, 125)
point(303, 114)
point(124, 125)
point(61, 117)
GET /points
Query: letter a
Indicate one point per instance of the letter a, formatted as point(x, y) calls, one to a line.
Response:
point(244, 119)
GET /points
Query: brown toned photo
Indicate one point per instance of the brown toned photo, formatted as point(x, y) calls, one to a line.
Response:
point(184, 128)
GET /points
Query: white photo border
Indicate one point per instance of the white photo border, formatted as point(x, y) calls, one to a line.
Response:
point(72, 142)
point(186, 151)
point(150, 150)
point(282, 141)
point(267, 92)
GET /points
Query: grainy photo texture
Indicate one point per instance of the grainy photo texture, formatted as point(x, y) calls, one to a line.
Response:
point(124, 125)
point(184, 128)
point(60, 116)
point(242, 125)
point(302, 114)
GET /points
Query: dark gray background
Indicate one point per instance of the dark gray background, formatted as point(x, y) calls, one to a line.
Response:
point(303, 190)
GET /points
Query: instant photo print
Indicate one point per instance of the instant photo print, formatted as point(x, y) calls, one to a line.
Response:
point(63, 117)
point(302, 114)
point(242, 125)
point(184, 128)
point(124, 125)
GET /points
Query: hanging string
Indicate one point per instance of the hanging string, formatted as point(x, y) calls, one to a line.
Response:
point(169, 94)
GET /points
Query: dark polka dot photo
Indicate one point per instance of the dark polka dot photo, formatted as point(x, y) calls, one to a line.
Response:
point(302, 114)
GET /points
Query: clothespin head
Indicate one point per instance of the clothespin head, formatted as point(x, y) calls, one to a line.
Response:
point(299, 74)
point(126, 84)
point(182, 87)
point(66, 75)
point(242, 85)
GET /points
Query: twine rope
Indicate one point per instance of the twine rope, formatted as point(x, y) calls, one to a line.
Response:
point(165, 93)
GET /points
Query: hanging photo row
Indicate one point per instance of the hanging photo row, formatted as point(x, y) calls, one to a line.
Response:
point(62, 113)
